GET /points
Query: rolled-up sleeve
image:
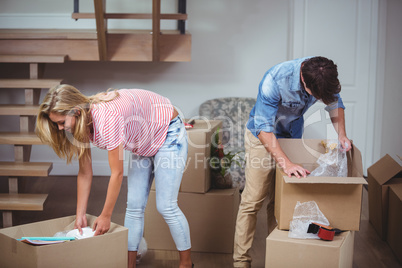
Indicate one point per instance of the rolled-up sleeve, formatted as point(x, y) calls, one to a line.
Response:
point(336, 104)
point(266, 106)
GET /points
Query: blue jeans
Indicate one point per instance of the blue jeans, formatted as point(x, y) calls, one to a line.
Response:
point(167, 167)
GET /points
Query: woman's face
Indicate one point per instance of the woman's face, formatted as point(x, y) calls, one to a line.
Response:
point(63, 122)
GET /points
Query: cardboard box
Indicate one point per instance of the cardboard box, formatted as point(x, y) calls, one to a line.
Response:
point(211, 216)
point(394, 235)
point(196, 177)
point(108, 250)
point(282, 251)
point(338, 198)
point(382, 174)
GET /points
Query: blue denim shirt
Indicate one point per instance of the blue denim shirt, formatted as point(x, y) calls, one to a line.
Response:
point(282, 101)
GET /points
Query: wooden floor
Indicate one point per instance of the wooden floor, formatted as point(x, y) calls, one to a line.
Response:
point(369, 250)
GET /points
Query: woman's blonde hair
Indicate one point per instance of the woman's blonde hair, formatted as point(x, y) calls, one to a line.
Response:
point(67, 100)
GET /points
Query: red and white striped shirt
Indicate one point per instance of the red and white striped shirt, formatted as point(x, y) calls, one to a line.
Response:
point(138, 119)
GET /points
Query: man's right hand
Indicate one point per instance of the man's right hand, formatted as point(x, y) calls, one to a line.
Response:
point(292, 169)
point(272, 145)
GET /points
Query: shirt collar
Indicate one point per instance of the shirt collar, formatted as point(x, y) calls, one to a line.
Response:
point(296, 83)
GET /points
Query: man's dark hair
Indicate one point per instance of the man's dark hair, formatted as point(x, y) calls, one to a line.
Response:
point(321, 77)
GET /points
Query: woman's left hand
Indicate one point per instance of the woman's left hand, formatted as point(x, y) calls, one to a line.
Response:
point(101, 225)
point(345, 143)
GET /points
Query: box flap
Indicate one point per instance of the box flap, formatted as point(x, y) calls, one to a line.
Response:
point(385, 169)
point(42, 228)
point(326, 180)
point(397, 189)
point(355, 162)
point(302, 150)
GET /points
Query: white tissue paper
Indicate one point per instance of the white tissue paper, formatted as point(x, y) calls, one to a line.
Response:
point(142, 250)
point(86, 233)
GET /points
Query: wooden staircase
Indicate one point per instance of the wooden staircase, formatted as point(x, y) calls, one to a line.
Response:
point(25, 138)
point(103, 44)
point(36, 47)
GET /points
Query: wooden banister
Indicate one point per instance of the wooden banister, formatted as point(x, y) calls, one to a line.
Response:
point(134, 16)
point(101, 28)
point(156, 29)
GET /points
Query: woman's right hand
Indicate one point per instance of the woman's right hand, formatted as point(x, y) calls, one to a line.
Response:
point(80, 222)
point(84, 181)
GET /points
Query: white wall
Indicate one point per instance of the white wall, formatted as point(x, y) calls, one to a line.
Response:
point(391, 134)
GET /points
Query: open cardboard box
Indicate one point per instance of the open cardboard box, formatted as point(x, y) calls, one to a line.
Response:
point(108, 250)
point(338, 198)
point(282, 251)
point(381, 175)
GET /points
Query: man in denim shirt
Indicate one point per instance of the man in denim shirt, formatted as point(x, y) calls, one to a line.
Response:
point(285, 93)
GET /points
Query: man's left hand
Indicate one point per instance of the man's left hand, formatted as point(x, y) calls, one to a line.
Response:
point(345, 143)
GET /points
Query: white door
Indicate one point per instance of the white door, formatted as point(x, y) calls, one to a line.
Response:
point(346, 32)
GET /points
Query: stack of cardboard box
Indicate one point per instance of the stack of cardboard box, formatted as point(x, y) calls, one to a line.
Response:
point(338, 198)
point(211, 213)
point(385, 201)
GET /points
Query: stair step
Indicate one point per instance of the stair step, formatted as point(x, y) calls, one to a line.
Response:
point(28, 169)
point(19, 109)
point(33, 58)
point(46, 34)
point(22, 201)
point(29, 83)
point(19, 138)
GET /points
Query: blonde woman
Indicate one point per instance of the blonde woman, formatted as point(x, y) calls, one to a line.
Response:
point(140, 121)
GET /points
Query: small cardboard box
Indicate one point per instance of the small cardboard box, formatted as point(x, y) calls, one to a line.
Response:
point(196, 176)
point(381, 175)
point(338, 198)
point(282, 251)
point(108, 250)
point(394, 235)
point(211, 217)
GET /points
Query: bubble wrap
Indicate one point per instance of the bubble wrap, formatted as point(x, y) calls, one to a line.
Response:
point(333, 163)
point(304, 214)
